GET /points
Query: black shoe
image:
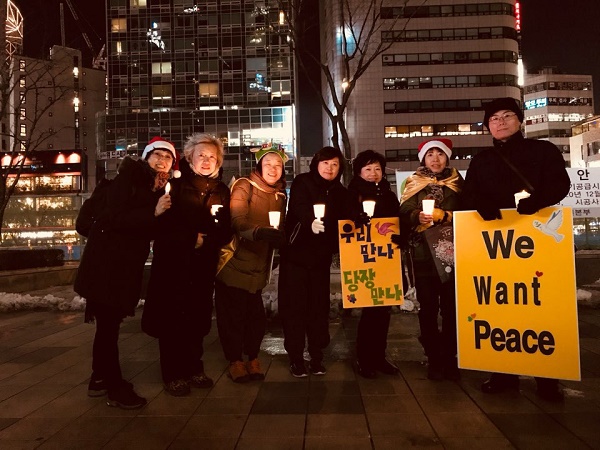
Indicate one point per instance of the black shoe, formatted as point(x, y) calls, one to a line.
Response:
point(178, 388)
point(498, 384)
point(124, 397)
point(200, 380)
point(387, 368)
point(97, 388)
point(450, 370)
point(550, 393)
point(298, 369)
point(317, 367)
point(366, 371)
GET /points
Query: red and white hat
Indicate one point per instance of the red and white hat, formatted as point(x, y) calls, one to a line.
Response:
point(443, 144)
point(158, 143)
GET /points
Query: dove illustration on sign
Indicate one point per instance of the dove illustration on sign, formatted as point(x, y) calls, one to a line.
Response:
point(384, 228)
point(552, 225)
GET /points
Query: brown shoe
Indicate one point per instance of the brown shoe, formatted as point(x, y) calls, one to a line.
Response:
point(200, 380)
point(254, 370)
point(237, 372)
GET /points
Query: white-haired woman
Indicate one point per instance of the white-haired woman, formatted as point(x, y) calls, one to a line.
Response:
point(178, 307)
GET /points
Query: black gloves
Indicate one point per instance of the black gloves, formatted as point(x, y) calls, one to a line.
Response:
point(273, 236)
point(528, 206)
point(361, 220)
point(396, 239)
point(488, 212)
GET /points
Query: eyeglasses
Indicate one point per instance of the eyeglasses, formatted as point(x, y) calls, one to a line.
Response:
point(163, 156)
point(504, 117)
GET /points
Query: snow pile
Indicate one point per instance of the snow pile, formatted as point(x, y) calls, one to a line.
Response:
point(23, 302)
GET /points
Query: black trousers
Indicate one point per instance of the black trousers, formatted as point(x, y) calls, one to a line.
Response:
point(105, 350)
point(304, 309)
point(510, 379)
point(371, 335)
point(241, 321)
point(436, 298)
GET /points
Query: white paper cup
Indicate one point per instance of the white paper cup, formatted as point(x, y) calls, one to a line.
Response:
point(214, 209)
point(520, 196)
point(428, 206)
point(369, 207)
point(319, 210)
point(274, 218)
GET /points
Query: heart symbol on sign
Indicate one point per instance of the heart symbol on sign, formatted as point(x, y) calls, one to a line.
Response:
point(538, 273)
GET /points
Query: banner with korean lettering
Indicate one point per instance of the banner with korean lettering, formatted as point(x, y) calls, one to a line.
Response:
point(370, 265)
point(584, 195)
point(516, 293)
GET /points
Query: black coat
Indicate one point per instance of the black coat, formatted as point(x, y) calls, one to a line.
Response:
point(386, 202)
point(182, 277)
point(112, 264)
point(491, 182)
point(305, 247)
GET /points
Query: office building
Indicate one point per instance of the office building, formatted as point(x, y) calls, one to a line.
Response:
point(554, 102)
point(178, 66)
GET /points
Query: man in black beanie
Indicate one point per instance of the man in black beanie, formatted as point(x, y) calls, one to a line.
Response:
point(512, 165)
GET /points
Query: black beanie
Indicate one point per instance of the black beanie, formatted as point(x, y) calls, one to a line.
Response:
point(501, 104)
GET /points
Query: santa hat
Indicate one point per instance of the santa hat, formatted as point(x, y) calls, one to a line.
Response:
point(259, 152)
point(443, 144)
point(158, 143)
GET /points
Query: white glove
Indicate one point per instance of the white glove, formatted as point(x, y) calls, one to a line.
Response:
point(317, 226)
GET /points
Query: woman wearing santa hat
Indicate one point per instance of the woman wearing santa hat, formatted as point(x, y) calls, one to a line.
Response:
point(178, 308)
point(112, 266)
point(436, 180)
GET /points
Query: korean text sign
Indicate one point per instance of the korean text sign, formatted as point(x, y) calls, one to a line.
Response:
point(516, 293)
point(370, 263)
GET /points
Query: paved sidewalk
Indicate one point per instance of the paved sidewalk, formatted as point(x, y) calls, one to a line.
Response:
point(45, 360)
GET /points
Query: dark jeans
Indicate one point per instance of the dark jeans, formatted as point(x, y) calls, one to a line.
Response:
point(241, 321)
point(371, 335)
point(436, 298)
point(105, 351)
point(304, 309)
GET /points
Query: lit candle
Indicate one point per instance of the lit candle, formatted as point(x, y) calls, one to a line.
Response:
point(214, 209)
point(428, 205)
point(274, 218)
point(369, 207)
point(520, 196)
point(319, 210)
point(167, 187)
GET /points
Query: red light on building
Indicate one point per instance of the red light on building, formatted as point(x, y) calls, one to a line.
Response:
point(518, 16)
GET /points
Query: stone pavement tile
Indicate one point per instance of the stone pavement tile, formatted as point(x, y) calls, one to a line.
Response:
point(590, 361)
point(279, 370)
point(461, 424)
point(505, 402)
point(270, 443)
point(204, 443)
point(435, 403)
point(335, 404)
point(32, 429)
point(526, 430)
point(416, 443)
point(78, 373)
point(224, 387)
point(585, 425)
point(338, 442)
point(383, 385)
point(324, 386)
point(216, 426)
point(72, 404)
point(9, 369)
point(413, 427)
point(336, 371)
point(268, 425)
point(152, 431)
point(402, 404)
point(280, 405)
point(167, 405)
point(338, 425)
point(20, 445)
point(87, 444)
point(225, 405)
point(93, 428)
point(289, 388)
point(27, 401)
point(7, 422)
point(476, 443)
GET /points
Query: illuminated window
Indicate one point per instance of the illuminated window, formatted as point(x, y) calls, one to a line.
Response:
point(208, 90)
point(281, 88)
point(23, 130)
point(161, 68)
point(22, 97)
point(22, 65)
point(161, 92)
point(22, 82)
point(138, 3)
point(22, 114)
point(118, 25)
point(76, 72)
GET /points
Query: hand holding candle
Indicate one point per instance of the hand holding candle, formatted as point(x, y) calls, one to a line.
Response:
point(167, 187)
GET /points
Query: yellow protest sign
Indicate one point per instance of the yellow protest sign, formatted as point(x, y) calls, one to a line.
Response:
point(370, 263)
point(516, 298)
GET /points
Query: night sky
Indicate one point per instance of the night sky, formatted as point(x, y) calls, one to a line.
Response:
point(559, 33)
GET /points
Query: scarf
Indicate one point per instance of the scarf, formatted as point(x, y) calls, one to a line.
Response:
point(424, 178)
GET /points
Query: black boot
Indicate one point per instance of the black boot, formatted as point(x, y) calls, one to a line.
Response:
point(500, 382)
point(450, 368)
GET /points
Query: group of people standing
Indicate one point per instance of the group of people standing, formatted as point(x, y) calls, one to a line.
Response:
point(209, 239)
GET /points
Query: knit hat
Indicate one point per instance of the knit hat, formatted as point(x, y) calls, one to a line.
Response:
point(259, 152)
point(501, 104)
point(158, 143)
point(443, 144)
